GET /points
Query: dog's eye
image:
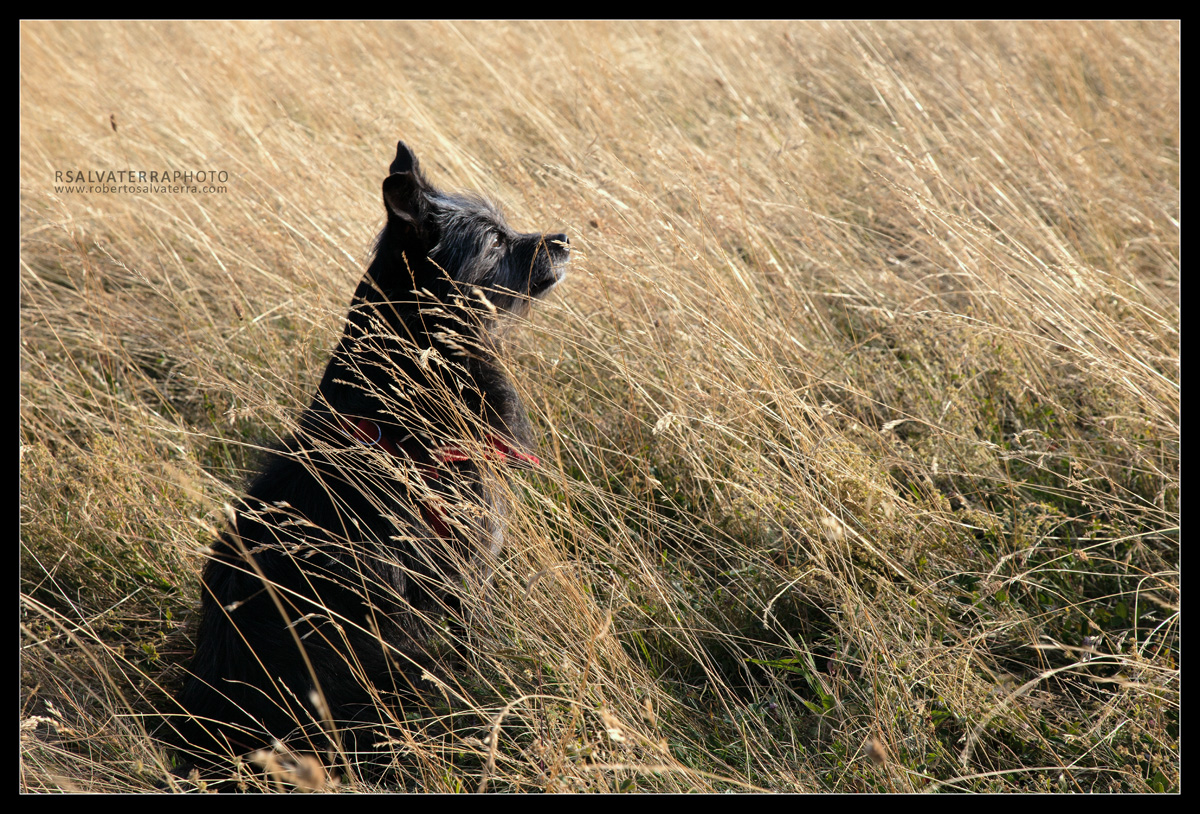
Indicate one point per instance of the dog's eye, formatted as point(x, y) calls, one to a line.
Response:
point(498, 242)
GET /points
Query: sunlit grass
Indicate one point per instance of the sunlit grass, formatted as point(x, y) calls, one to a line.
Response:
point(859, 409)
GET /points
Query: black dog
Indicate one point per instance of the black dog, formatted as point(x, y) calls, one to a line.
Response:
point(353, 546)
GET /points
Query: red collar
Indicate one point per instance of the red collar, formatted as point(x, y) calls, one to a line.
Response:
point(371, 434)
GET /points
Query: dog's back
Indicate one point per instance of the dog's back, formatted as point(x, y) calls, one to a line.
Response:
point(352, 544)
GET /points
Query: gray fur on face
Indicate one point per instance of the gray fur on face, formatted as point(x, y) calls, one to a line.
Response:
point(479, 249)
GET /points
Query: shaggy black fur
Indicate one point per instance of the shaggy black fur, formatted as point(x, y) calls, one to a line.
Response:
point(354, 544)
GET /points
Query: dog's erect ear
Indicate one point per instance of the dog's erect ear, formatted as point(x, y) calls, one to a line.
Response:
point(404, 161)
point(404, 192)
point(403, 196)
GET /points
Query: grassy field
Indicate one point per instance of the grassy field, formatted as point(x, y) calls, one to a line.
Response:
point(859, 407)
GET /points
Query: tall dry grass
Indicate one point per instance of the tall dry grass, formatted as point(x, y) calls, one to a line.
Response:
point(860, 407)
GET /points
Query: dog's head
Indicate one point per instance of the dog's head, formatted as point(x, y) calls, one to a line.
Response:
point(459, 247)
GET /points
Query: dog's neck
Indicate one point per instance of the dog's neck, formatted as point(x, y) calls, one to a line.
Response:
point(432, 463)
point(370, 433)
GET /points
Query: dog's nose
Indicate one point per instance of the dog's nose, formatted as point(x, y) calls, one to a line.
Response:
point(558, 242)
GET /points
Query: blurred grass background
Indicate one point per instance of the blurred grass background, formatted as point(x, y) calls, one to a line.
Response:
point(860, 404)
